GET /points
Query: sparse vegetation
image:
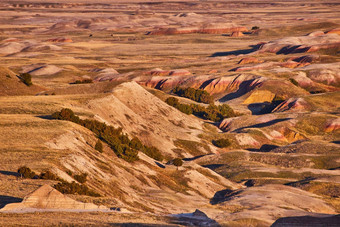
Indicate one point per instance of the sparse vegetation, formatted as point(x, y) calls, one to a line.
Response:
point(85, 81)
point(177, 162)
point(192, 147)
point(99, 146)
point(81, 178)
point(118, 141)
point(74, 188)
point(197, 95)
point(26, 78)
point(212, 112)
point(221, 143)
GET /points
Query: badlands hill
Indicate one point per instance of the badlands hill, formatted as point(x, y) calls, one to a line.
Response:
point(173, 113)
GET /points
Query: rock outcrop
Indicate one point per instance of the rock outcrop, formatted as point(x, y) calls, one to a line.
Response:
point(174, 72)
point(334, 31)
point(237, 34)
point(197, 218)
point(332, 125)
point(48, 198)
point(249, 60)
point(259, 96)
point(292, 105)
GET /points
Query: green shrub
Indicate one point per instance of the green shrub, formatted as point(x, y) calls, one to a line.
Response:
point(99, 146)
point(69, 172)
point(66, 114)
point(177, 162)
point(26, 172)
point(212, 112)
point(26, 78)
point(118, 141)
point(81, 178)
point(197, 95)
point(74, 188)
point(172, 101)
point(154, 153)
point(221, 143)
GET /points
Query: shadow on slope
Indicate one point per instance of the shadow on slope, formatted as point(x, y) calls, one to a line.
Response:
point(262, 125)
point(304, 221)
point(4, 200)
point(9, 173)
point(223, 195)
point(235, 52)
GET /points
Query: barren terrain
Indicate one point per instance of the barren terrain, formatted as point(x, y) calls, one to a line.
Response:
point(264, 148)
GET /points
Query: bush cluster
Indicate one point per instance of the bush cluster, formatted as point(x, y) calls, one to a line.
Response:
point(184, 108)
point(85, 81)
point(118, 141)
point(197, 95)
point(26, 78)
point(221, 143)
point(99, 146)
point(48, 175)
point(177, 162)
point(212, 112)
point(74, 188)
point(81, 178)
point(26, 172)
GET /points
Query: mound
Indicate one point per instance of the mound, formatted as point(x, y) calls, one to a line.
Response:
point(301, 44)
point(161, 72)
point(316, 33)
point(12, 47)
point(293, 105)
point(333, 125)
point(269, 202)
point(241, 83)
point(306, 58)
point(38, 70)
point(237, 34)
point(197, 218)
point(143, 115)
point(105, 74)
point(334, 31)
point(325, 76)
point(41, 47)
point(248, 60)
point(48, 198)
point(308, 220)
point(10, 84)
point(260, 96)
